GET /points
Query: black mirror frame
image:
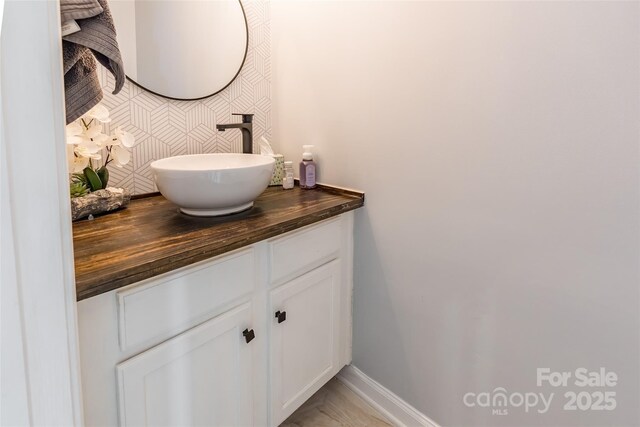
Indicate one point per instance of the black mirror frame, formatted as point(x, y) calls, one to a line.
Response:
point(244, 58)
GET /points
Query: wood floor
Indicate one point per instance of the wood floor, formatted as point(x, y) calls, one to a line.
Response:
point(334, 405)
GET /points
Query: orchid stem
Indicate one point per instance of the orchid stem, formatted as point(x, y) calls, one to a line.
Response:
point(86, 126)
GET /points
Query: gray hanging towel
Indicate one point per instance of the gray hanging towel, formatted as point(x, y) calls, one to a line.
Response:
point(79, 9)
point(81, 86)
point(97, 37)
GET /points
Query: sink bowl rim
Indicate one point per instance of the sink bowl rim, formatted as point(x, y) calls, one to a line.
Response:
point(161, 164)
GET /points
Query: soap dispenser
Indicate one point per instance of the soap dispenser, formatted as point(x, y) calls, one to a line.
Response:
point(307, 169)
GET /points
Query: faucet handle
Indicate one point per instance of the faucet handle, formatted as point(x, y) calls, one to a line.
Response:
point(246, 118)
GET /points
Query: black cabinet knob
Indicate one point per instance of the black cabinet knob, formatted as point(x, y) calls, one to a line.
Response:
point(281, 316)
point(248, 335)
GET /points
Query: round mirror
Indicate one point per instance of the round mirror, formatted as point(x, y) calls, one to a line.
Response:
point(181, 49)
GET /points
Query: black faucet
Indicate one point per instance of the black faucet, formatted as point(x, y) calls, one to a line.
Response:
point(247, 131)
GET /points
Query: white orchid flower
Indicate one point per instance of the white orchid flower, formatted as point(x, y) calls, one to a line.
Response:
point(100, 139)
point(76, 163)
point(119, 142)
point(74, 129)
point(120, 155)
point(83, 144)
point(86, 141)
point(100, 113)
point(89, 147)
point(83, 132)
point(93, 129)
point(121, 137)
point(75, 133)
point(90, 151)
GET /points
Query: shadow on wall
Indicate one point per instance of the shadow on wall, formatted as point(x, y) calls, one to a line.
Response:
point(371, 294)
point(449, 348)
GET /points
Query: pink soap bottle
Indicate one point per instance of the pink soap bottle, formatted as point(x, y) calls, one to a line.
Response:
point(307, 169)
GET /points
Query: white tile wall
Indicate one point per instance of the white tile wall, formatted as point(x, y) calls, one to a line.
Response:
point(165, 127)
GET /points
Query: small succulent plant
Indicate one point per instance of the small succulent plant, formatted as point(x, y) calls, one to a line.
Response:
point(78, 189)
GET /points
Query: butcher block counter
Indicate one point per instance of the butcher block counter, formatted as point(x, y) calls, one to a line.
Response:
point(151, 237)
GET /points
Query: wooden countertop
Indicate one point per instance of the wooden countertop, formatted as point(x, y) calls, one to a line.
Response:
point(151, 237)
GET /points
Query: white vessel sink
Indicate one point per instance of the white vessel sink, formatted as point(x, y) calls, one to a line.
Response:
point(213, 184)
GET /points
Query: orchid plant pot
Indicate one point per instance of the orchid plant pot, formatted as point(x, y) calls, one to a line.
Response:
point(89, 153)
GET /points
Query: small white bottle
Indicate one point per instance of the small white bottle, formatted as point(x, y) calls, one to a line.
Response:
point(287, 181)
point(307, 169)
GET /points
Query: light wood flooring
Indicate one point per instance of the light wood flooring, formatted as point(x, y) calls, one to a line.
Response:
point(334, 405)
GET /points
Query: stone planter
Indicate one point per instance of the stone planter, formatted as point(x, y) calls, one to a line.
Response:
point(98, 202)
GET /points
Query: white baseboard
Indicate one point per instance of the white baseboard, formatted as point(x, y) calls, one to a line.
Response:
point(396, 410)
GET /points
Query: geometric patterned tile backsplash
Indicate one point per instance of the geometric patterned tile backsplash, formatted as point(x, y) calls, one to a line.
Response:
point(165, 127)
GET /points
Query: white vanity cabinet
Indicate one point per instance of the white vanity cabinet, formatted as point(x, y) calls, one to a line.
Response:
point(305, 337)
point(202, 377)
point(203, 345)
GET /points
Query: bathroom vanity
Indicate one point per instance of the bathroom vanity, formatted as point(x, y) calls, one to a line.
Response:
point(208, 321)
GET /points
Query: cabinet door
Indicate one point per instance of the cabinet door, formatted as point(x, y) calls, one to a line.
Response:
point(202, 377)
point(304, 346)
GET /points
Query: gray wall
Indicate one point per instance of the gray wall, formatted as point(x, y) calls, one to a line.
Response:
point(497, 143)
